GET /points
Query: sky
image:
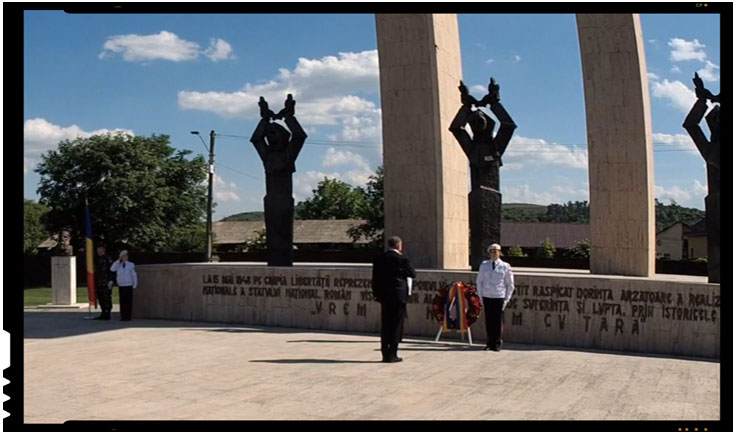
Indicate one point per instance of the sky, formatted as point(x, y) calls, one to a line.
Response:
point(172, 74)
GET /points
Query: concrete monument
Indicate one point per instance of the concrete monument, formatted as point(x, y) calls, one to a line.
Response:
point(621, 189)
point(278, 152)
point(710, 150)
point(484, 151)
point(425, 172)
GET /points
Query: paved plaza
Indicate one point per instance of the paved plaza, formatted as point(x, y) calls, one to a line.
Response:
point(76, 369)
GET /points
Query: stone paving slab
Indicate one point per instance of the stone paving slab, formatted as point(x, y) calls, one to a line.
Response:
point(154, 369)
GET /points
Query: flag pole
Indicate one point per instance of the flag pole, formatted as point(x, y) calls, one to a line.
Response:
point(89, 259)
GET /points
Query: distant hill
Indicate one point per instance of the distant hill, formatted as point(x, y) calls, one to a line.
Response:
point(522, 212)
point(251, 216)
point(529, 206)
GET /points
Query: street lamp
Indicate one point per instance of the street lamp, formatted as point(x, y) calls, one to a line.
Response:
point(211, 170)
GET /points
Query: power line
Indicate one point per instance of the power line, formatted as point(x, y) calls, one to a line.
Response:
point(238, 171)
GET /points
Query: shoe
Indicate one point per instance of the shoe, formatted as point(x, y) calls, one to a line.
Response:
point(487, 348)
point(497, 349)
point(392, 360)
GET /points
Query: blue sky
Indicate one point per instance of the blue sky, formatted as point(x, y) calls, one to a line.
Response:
point(171, 74)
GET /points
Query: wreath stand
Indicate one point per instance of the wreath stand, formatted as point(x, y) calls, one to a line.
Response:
point(468, 329)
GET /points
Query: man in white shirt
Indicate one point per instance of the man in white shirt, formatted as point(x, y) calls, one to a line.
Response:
point(495, 285)
point(127, 280)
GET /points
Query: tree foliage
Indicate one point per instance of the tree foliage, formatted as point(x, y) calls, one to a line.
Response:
point(546, 249)
point(569, 212)
point(332, 199)
point(371, 210)
point(34, 232)
point(142, 193)
point(582, 249)
point(516, 251)
point(666, 215)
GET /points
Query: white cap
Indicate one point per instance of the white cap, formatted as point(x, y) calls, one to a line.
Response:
point(494, 246)
point(123, 253)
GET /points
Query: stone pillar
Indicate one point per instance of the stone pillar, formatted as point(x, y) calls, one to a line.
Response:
point(425, 171)
point(64, 280)
point(622, 212)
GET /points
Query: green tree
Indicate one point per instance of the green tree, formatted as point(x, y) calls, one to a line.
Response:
point(570, 212)
point(546, 249)
point(582, 249)
point(141, 191)
point(516, 251)
point(666, 215)
point(332, 199)
point(34, 232)
point(256, 242)
point(371, 210)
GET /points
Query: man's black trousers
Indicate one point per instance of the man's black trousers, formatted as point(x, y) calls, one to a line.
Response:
point(494, 316)
point(104, 298)
point(392, 321)
point(126, 302)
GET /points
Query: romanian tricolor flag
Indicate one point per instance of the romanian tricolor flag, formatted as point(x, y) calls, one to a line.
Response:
point(455, 309)
point(89, 253)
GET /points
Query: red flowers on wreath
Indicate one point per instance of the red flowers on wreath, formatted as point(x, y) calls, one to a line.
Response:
point(454, 312)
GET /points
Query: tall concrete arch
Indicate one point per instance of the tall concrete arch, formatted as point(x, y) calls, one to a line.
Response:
point(621, 190)
point(426, 173)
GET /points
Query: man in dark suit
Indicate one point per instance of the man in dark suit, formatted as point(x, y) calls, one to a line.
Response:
point(389, 285)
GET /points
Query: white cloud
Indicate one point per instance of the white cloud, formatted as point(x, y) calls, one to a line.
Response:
point(679, 141)
point(480, 45)
point(226, 196)
point(653, 41)
point(40, 135)
point(219, 50)
point(699, 189)
point(477, 88)
point(676, 69)
point(224, 191)
point(653, 76)
point(682, 50)
point(323, 88)
point(517, 58)
point(558, 194)
point(524, 150)
point(679, 95)
point(709, 72)
point(164, 46)
point(675, 193)
point(488, 61)
point(334, 158)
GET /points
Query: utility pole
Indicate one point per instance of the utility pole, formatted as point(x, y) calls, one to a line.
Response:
point(208, 238)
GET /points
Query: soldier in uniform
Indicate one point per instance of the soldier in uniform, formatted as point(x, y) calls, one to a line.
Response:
point(104, 279)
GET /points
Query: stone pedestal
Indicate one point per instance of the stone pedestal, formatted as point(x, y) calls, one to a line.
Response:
point(622, 213)
point(63, 283)
point(425, 171)
point(486, 217)
point(279, 215)
point(713, 231)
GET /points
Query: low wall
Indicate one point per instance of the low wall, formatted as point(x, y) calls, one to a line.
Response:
point(583, 311)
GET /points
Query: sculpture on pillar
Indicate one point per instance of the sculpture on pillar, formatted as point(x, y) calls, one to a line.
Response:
point(278, 152)
point(63, 246)
point(484, 151)
point(710, 151)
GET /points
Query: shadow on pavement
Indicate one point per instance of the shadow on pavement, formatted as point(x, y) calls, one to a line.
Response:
point(45, 324)
point(287, 361)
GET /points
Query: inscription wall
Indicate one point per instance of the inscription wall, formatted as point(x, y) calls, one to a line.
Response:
point(617, 313)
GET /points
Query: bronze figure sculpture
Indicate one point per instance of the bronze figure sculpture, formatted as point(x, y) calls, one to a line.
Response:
point(484, 151)
point(710, 150)
point(278, 151)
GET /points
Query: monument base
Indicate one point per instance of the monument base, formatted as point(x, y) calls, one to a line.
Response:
point(63, 306)
point(668, 315)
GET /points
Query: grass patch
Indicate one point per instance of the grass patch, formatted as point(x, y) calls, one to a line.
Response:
point(37, 296)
